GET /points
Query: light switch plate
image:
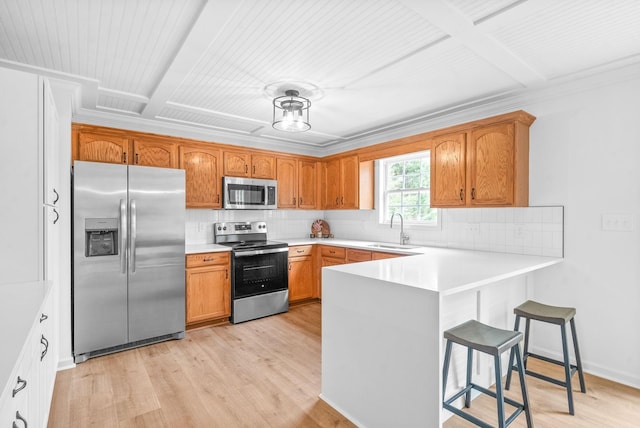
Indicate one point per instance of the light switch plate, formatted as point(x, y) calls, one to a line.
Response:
point(617, 222)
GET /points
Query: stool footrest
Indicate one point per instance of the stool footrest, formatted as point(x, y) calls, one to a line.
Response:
point(573, 369)
point(447, 405)
point(547, 359)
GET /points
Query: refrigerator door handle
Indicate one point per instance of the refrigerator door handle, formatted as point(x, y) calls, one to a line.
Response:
point(123, 236)
point(132, 237)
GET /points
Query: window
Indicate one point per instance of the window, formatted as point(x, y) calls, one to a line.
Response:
point(405, 185)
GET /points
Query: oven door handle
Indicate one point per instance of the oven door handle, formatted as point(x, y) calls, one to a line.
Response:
point(259, 252)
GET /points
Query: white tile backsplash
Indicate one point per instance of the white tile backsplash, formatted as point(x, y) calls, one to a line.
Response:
point(528, 230)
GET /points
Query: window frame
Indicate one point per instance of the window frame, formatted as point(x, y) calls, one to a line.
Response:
point(383, 165)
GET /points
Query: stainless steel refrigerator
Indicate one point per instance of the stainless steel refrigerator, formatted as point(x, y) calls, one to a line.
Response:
point(129, 257)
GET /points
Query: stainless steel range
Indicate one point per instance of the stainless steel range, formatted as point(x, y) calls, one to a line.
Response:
point(259, 276)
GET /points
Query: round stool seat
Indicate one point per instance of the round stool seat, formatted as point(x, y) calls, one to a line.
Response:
point(490, 340)
point(546, 313)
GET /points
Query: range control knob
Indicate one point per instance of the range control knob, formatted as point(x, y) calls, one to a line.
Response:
point(224, 228)
point(219, 228)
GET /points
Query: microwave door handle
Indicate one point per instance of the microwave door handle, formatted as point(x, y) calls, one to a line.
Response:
point(123, 236)
point(133, 235)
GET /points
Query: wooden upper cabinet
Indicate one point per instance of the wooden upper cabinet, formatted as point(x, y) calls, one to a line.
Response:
point(448, 170)
point(106, 148)
point(263, 166)
point(350, 175)
point(491, 165)
point(244, 164)
point(202, 173)
point(287, 176)
point(486, 165)
point(236, 164)
point(154, 153)
point(307, 185)
point(332, 185)
point(348, 184)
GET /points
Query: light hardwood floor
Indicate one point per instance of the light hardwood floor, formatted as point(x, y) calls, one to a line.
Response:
point(266, 373)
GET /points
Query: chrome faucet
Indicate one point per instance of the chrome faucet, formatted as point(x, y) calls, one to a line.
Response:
point(403, 236)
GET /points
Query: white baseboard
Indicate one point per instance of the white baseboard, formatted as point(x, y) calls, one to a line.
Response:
point(66, 363)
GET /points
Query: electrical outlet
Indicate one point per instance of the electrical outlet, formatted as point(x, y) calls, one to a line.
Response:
point(518, 231)
point(473, 227)
point(617, 222)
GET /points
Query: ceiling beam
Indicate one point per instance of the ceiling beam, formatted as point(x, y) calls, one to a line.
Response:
point(210, 24)
point(463, 31)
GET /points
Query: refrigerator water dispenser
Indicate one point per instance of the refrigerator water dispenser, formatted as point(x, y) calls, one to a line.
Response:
point(101, 237)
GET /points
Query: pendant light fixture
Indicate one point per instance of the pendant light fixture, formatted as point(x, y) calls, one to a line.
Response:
point(294, 112)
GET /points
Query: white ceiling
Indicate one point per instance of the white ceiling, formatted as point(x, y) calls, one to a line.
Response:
point(212, 67)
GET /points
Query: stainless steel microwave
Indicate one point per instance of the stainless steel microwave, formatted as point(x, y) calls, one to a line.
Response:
point(249, 193)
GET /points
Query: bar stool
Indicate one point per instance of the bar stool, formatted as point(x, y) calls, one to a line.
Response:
point(531, 310)
point(492, 341)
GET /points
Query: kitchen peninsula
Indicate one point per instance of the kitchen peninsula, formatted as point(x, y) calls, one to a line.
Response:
point(382, 325)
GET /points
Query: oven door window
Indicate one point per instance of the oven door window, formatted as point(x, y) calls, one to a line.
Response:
point(245, 194)
point(259, 274)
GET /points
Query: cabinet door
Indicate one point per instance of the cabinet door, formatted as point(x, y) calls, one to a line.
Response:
point(491, 165)
point(263, 166)
point(51, 147)
point(287, 173)
point(300, 278)
point(236, 164)
point(155, 153)
point(208, 293)
point(103, 148)
point(307, 185)
point(350, 174)
point(332, 195)
point(202, 172)
point(448, 168)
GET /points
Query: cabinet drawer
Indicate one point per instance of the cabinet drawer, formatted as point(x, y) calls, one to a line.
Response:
point(300, 250)
point(327, 251)
point(379, 255)
point(354, 255)
point(205, 259)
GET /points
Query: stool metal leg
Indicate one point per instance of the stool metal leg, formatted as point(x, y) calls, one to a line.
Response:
point(567, 368)
point(499, 392)
point(583, 388)
point(445, 369)
point(523, 386)
point(516, 327)
point(525, 352)
point(467, 396)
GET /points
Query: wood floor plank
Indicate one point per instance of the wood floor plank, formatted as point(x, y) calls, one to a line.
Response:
point(266, 373)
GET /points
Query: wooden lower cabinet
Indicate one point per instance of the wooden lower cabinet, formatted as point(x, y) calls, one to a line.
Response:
point(302, 282)
point(208, 287)
point(355, 255)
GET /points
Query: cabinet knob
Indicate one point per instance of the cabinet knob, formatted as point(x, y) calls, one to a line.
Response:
point(254, 169)
point(473, 193)
point(43, 317)
point(57, 196)
point(294, 200)
point(57, 216)
point(461, 195)
point(124, 157)
point(137, 159)
point(300, 200)
point(246, 168)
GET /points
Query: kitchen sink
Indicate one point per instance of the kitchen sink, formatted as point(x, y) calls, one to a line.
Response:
point(393, 247)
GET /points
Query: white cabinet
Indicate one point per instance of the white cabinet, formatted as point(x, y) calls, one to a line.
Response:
point(28, 366)
point(30, 255)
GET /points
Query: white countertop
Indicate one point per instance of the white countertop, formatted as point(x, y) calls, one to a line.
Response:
point(409, 249)
point(448, 271)
point(205, 248)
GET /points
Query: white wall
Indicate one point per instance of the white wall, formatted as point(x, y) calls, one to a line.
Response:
point(585, 153)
